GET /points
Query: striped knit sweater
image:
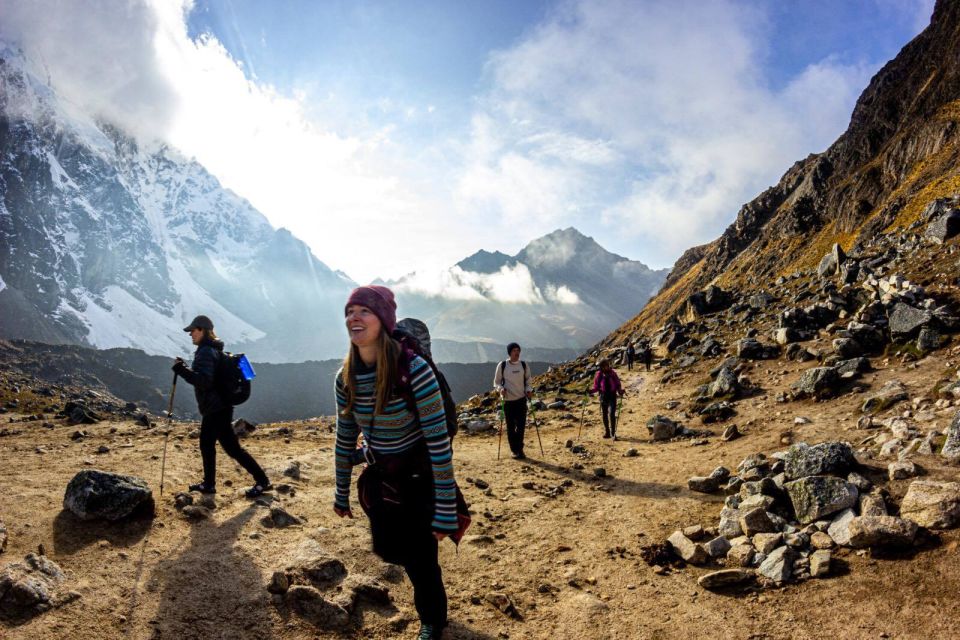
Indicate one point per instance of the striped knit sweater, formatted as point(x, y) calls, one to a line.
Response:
point(395, 431)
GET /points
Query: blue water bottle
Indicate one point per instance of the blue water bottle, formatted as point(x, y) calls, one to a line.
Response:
point(246, 368)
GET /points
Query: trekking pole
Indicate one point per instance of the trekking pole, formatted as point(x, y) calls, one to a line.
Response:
point(166, 433)
point(536, 427)
point(583, 408)
point(500, 437)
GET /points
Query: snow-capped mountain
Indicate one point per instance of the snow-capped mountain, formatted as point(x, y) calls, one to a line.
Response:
point(106, 243)
point(562, 290)
point(109, 243)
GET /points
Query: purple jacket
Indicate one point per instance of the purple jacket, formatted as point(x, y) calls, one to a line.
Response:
point(607, 384)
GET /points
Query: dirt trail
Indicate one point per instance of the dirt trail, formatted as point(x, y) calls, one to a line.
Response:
point(569, 563)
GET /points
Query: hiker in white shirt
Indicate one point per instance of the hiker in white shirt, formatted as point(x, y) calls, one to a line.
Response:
point(512, 381)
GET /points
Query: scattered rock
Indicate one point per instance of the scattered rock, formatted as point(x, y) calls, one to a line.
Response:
point(819, 382)
point(280, 518)
point(778, 565)
point(826, 458)
point(93, 494)
point(717, 548)
point(814, 497)
point(839, 529)
point(30, 588)
point(902, 469)
point(756, 521)
point(293, 470)
point(730, 433)
point(741, 555)
point(196, 512)
point(869, 531)
point(820, 563)
point(931, 504)
point(711, 483)
point(724, 578)
point(889, 394)
point(662, 428)
point(687, 549)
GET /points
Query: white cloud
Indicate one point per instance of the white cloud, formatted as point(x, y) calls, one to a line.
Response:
point(672, 98)
point(511, 284)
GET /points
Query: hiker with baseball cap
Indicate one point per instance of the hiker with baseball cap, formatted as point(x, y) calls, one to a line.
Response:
point(217, 414)
point(512, 382)
point(408, 489)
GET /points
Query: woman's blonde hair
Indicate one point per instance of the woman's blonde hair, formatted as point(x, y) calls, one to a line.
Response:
point(388, 360)
point(208, 334)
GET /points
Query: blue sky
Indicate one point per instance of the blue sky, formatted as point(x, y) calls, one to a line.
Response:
point(465, 125)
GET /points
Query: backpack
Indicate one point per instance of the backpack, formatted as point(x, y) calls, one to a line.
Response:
point(503, 368)
point(414, 339)
point(230, 380)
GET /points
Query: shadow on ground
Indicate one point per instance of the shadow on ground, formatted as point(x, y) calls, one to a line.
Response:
point(71, 534)
point(212, 589)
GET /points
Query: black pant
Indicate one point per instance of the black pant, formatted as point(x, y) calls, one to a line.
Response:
point(515, 413)
point(219, 426)
point(399, 504)
point(608, 405)
point(629, 363)
point(423, 569)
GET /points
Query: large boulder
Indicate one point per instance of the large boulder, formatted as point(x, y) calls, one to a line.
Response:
point(905, 321)
point(931, 504)
point(870, 531)
point(93, 494)
point(814, 497)
point(826, 458)
point(819, 382)
point(30, 587)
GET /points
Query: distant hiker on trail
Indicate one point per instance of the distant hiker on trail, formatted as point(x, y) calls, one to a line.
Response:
point(512, 381)
point(217, 423)
point(631, 354)
point(647, 355)
point(607, 384)
point(391, 396)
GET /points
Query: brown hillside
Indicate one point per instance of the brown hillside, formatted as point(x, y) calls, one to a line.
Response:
point(899, 153)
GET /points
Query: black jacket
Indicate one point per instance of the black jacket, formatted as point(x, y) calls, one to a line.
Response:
point(201, 375)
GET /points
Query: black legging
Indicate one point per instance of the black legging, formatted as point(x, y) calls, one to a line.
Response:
point(608, 405)
point(218, 426)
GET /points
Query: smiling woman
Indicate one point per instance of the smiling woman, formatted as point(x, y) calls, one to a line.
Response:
point(407, 489)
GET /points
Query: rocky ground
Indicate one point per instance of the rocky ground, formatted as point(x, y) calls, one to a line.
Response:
point(555, 550)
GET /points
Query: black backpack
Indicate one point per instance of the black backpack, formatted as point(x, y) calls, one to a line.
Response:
point(229, 381)
point(414, 339)
point(503, 372)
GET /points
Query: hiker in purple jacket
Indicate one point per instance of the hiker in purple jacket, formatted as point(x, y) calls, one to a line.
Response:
point(607, 384)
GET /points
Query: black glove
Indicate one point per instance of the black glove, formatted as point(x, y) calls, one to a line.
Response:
point(179, 366)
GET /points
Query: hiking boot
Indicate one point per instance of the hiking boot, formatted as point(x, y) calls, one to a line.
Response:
point(257, 490)
point(429, 632)
point(519, 456)
point(202, 487)
point(606, 435)
point(614, 436)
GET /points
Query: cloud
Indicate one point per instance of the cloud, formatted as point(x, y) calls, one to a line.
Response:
point(133, 64)
point(676, 123)
point(511, 284)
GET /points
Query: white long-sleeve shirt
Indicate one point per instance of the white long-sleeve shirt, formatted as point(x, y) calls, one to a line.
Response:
point(514, 378)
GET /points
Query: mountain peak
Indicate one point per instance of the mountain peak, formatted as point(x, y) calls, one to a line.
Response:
point(484, 261)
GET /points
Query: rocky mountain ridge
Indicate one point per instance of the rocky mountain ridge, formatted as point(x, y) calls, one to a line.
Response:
point(900, 152)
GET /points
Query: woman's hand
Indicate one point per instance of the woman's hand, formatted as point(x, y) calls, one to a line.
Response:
point(343, 513)
point(439, 535)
